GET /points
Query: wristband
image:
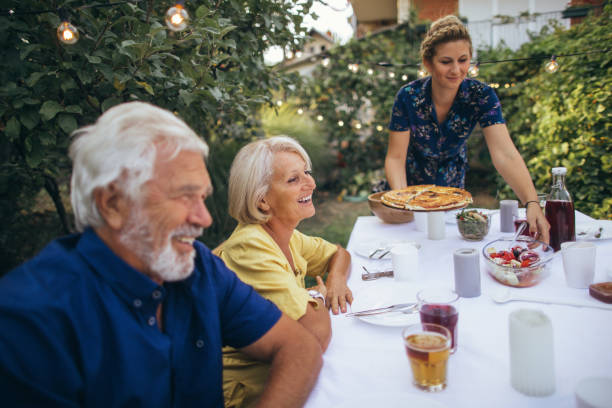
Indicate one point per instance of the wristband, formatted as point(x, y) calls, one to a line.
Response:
point(531, 201)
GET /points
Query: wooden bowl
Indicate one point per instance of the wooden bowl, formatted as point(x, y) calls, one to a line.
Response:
point(388, 214)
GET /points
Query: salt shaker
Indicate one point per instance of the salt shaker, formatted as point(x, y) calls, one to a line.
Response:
point(532, 368)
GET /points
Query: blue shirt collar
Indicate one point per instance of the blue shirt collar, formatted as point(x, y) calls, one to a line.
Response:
point(129, 283)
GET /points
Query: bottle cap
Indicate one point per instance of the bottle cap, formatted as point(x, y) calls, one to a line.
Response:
point(559, 171)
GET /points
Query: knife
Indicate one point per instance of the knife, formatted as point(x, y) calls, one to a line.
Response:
point(375, 275)
point(387, 309)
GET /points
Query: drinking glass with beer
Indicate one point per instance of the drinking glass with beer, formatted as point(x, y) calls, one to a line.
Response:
point(428, 347)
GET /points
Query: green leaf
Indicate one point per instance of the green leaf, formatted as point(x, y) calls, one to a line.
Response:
point(49, 109)
point(67, 123)
point(74, 109)
point(29, 118)
point(201, 11)
point(93, 59)
point(109, 103)
point(13, 128)
point(146, 87)
point(187, 97)
point(227, 29)
point(34, 78)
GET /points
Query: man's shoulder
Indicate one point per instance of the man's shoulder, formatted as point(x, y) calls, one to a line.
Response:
point(55, 267)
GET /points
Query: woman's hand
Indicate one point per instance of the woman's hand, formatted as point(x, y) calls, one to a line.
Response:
point(538, 224)
point(338, 294)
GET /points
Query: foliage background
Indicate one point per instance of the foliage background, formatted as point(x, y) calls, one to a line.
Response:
point(212, 75)
point(565, 118)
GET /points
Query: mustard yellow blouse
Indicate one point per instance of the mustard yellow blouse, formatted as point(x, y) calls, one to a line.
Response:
point(258, 261)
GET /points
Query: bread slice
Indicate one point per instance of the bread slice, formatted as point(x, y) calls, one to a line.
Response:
point(601, 291)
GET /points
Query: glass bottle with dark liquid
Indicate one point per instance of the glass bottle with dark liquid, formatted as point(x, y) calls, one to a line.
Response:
point(559, 210)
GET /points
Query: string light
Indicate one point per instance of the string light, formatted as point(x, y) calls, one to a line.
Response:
point(370, 71)
point(357, 125)
point(404, 77)
point(300, 111)
point(474, 70)
point(340, 123)
point(319, 118)
point(391, 75)
point(422, 73)
point(379, 128)
point(553, 65)
point(177, 17)
point(279, 103)
point(66, 32)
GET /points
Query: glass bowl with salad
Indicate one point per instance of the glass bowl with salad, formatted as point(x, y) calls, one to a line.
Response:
point(521, 263)
point(473, 224)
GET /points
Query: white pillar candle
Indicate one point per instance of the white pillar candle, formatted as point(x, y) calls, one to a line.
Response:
point(532, 368)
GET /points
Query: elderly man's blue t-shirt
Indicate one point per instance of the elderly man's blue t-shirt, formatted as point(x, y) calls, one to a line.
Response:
point(78, 328)
point(437, 152)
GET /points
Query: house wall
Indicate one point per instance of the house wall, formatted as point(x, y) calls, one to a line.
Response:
point(434, 9)
point(486, 31)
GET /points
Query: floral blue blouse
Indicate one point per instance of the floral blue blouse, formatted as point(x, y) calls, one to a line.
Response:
point(437, 153)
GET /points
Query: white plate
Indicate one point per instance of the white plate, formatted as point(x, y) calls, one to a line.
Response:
point(451, 216)
point(390, 400)
point(366, 248)
point(387, 294)
point(589, 231)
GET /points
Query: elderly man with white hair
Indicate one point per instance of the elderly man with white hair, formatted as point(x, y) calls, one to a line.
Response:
point(132, 310)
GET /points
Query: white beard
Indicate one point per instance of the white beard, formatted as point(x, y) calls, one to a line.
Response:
point(165, 263)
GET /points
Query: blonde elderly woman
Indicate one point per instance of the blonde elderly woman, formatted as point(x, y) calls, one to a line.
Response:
point(270, 192)
point(433, 117)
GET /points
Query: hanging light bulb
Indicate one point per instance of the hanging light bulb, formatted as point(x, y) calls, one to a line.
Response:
point(370, 71)
point(404, 77)
point(66, 32)
point(422, 73)
point(300, 111)
point(325, 62)
point(553, 65)
point(177, 17)
point(340, 123)
point(379, 128)
point(357, 125)
point(391, 75)
point(279, 103)
point(474, 70)
point(319, 118)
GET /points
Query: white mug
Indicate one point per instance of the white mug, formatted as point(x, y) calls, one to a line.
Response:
point(405, 260)
point(578, 263)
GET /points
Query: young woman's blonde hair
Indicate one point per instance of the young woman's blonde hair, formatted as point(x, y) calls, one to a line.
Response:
point(251, 174)
point(443, 30)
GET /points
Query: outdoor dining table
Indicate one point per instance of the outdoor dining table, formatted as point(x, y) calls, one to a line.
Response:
point(366, 363)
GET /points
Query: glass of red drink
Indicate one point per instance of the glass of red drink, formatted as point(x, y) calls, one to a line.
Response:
point(439, 306)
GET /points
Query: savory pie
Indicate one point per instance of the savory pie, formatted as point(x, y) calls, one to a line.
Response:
point(427, 197)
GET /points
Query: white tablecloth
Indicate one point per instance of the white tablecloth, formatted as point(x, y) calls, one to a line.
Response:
point(363, 359)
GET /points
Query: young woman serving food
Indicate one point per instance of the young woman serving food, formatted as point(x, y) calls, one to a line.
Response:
point(433, 117)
